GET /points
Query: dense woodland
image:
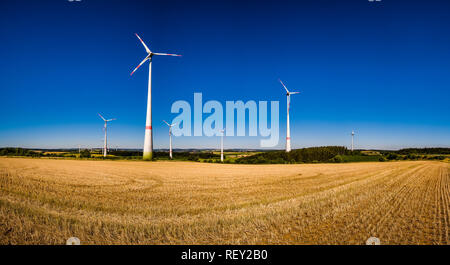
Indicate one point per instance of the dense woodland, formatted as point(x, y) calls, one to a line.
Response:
point(305, 155)
point(340, 154)
point(429, 151)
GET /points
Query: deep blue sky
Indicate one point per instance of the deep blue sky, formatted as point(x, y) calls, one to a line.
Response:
point(380, 68)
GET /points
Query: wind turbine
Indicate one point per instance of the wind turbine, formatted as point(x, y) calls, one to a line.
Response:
point(353, 134)
point(170, 137)
point(148, 142)
point(288, 129)
point(221, 144)
point(105, 146)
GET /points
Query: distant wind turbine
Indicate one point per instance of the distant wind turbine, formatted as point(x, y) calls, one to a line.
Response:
point(288, 129)
point(221, 144)
point(148, 142)
point(353, 134)
point(105, 146)
point(170, 137)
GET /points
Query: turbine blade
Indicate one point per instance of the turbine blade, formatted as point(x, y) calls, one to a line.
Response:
point(112, 119)
point(146, 58)
point(293, 93)
point(173, 124)
point(143, 43)
point(101, 116)
point(166, 123)
point(169, 54)
point(283, 85)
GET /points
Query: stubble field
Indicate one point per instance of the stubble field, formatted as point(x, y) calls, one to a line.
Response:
point(46, 201)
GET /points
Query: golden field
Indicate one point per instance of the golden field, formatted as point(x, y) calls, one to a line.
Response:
point(45, 201)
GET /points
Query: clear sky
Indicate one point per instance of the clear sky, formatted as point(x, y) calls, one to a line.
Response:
point(380, 68)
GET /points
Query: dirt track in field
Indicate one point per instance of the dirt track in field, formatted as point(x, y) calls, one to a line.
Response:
point(45, 201)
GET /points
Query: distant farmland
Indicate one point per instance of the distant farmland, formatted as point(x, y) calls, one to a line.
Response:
point(45, 201)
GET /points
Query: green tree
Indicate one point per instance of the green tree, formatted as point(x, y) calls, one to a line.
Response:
point(85, 154)
point(392, 156)
point(338, 159)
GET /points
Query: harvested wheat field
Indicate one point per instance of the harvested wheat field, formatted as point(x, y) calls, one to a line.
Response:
point(104, 202)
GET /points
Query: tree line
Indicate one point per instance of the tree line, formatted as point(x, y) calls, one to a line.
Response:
point(428, 151)
point(324, 154)
point(305, 155)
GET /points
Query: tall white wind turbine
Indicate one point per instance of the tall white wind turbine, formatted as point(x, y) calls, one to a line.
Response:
point(221, 144)
point(288, 129)
point(353, 135)
point(148, 142)
point(105, 144)
point(170, 137)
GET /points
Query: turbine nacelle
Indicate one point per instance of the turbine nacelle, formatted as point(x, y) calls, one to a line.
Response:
point(150, 54)
point(170, 125)
point(105, 120)
point(288, 93)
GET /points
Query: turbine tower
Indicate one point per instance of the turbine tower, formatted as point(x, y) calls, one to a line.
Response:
point(105, 144)
point(353, 134)
point(221, 144)
point(148, 142)
point(288, 129)
point(170, 137)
